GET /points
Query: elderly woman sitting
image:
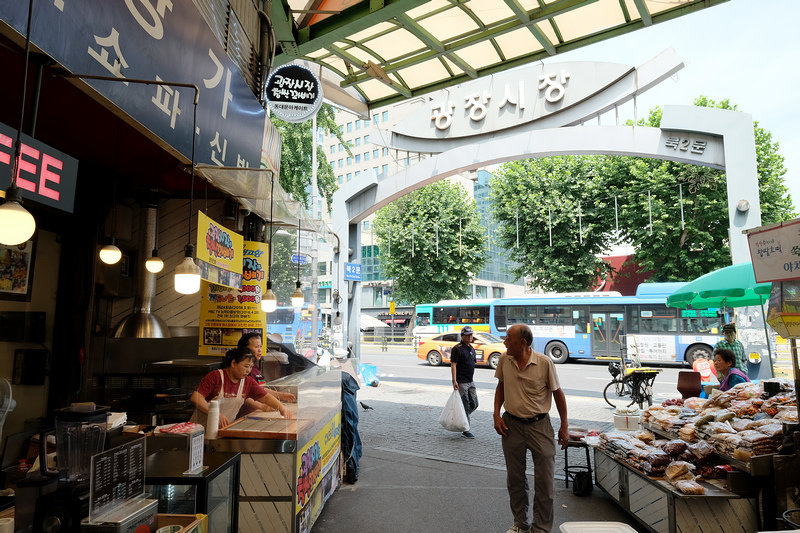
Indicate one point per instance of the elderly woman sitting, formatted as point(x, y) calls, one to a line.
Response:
point(725, 365)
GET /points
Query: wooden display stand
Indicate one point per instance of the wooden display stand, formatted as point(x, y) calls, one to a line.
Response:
point(663, 509)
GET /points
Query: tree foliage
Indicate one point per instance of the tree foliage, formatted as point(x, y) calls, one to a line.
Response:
point(431, 243)
point(296, 156)
point(674, 215)
point(284, 272)
point(549, 196)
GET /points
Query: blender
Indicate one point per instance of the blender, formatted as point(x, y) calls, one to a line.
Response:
point(80, 433)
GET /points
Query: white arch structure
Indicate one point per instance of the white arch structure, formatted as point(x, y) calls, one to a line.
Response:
point(729, 144)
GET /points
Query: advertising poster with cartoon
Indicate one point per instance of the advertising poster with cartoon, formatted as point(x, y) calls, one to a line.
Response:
point(317, 473)
point(227, 313)
point(16, 271)
point(219, 253)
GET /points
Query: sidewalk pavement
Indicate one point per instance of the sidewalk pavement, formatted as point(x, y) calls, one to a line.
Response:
point(417, 477)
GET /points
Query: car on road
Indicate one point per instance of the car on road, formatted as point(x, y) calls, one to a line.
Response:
point(436, 350)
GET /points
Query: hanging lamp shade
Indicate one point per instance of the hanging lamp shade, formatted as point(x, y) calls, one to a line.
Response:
point(16, 223)
point(297, 296)
point(154, 264)
point(187, 274)
point(269, 302)
point(110, 254)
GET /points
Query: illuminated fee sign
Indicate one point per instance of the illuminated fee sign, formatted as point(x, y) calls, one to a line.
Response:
point(45, 175)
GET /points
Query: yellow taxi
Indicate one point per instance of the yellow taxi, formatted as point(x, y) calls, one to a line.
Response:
point(436, 350)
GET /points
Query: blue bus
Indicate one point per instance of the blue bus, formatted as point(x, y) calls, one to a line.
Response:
point(579, 326)
point(292, 324)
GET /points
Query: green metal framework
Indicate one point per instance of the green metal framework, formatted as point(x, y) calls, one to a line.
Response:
point(440, 43)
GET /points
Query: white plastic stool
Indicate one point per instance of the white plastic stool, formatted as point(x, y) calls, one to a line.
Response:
point(595, 527)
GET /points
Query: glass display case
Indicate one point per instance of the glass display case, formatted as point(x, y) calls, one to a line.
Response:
point(213, 491)
point(290, 467)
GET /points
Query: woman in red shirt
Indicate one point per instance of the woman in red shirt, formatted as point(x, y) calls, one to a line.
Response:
point(230, 386)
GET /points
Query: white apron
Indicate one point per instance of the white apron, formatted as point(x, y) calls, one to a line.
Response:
point(228, 407)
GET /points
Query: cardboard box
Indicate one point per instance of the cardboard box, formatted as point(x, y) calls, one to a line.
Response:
point(627, 422)
point(189, 523)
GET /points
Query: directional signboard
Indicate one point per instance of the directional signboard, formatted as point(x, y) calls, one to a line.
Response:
point(299, 258)
point(352, 272)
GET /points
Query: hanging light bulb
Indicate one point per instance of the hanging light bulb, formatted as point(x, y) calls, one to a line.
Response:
point(187, 274)
point(154, 264)
point(338, 320)
point(269, 302)
point(16, 223)
point(297, 296)
point(110, 254)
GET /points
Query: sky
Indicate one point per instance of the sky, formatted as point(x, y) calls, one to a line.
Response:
point(745, 51)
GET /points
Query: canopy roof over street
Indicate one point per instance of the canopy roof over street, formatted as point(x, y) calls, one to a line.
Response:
point(385, 51)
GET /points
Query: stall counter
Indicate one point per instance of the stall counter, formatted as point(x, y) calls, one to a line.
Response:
point(290, 467)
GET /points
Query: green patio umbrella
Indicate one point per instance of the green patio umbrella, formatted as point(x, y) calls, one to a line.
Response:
point(733, 286)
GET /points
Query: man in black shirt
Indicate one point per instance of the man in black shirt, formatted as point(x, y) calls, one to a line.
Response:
point(462, 366)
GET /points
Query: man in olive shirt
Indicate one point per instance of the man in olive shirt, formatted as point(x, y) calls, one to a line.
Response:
point(730, 342)
point(527, 386)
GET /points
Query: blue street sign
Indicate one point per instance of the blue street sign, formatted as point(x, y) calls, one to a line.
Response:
point(299, 259)
point(352, 272)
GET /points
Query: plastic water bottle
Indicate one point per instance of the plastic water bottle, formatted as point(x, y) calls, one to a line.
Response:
point(213, 420)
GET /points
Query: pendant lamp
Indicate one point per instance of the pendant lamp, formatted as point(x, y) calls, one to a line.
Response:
point(297, 295)
point(154, 264)
point(16, 223)
point(110, 254)
point(269, 302)
point(187, 274)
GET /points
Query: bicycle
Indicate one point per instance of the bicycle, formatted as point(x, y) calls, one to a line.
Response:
point(636, 383)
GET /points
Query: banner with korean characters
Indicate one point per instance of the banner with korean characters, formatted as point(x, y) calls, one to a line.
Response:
point(219, 253)
point(316, 458)
point(226, 313)
point(164, 40)
point(775, 251)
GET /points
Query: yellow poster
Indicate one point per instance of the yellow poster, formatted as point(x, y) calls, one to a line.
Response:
point(226, 313)
point(316, 458)
point(219, 253)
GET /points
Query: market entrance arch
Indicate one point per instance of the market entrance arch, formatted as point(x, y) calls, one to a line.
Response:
point(710, 137)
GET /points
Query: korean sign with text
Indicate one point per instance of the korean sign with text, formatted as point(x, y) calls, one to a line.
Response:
point(165, 40)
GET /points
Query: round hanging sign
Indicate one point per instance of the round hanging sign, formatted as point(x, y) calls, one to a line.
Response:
point(294, 93)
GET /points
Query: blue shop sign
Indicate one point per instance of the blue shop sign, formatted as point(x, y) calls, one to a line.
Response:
point(164, 41)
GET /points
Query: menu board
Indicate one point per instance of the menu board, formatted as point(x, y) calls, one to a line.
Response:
point(117, 476)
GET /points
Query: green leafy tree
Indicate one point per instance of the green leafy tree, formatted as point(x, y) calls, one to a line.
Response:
point(296, 156)
point(688, 238)
point(431, 243)
point(284, 272)
point(675, 215)
point(550, 196)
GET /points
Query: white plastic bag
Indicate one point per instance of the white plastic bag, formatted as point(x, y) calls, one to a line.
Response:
point(454, 417)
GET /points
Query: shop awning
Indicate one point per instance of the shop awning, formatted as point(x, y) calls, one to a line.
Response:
point(368, 321)
point(252, 186)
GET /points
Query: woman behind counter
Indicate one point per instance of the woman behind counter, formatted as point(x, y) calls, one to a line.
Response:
point(727, 373)
point(253, 342)
point(230, 386)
